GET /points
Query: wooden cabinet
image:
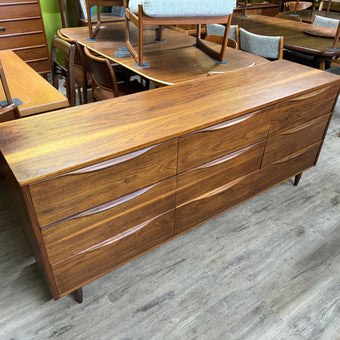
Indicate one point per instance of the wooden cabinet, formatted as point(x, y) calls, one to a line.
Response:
point(97, 190)
point(24, 32)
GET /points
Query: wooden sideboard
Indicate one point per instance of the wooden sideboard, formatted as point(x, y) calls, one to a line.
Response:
point(23, 32)
point(103, 183)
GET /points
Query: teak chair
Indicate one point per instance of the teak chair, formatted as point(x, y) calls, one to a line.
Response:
point(215, 33)
point(82, 77)
point(89, 4)
point(270, 47)
point(67, 71)
point(162, 12)
point(104, 80)
point(330, 23)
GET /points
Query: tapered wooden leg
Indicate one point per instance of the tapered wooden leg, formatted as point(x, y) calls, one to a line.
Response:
point(297, 179)
point(78, 295)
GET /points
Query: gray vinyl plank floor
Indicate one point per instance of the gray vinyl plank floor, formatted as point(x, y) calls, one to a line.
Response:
point(267, 269)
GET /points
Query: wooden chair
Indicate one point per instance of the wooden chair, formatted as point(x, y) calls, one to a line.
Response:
point(104, 80)
point(162, 12)
point(82, 77)
point(215, 33)
point(329, 23)
point(89, 4)
point(67, 71)
point(270, 47)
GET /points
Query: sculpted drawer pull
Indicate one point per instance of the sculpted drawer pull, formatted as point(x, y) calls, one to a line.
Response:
point(112, 204)
point(310, 94)
point(296, 154)
point(215, 191)
point(223, 159)
point(230, 122)
point(111, 162)
point(114, 238)
point(2, 29)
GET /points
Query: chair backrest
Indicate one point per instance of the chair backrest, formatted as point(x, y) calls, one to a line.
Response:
point(325, 22)
point(102, 73)
point(270, 47)
point(79, 58)
point(67, 71)
point(216, 29)
point(9, 112)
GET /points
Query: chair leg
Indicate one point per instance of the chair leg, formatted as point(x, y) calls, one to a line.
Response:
point(297, 179)
point(209, 51)
point(78, 295)
point(92, 31)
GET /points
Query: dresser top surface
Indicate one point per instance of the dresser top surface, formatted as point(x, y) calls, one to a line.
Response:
point(53, 143)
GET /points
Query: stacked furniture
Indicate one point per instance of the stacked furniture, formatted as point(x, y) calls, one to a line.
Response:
point(23, 32)
point(100, 184)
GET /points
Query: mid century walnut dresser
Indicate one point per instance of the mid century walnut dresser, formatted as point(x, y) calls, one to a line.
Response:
point(22, 30)
point(99, 184)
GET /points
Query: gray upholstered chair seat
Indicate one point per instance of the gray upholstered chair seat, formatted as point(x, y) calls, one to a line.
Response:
point(183, 8)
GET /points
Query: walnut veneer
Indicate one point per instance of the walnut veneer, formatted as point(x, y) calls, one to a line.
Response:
point(100, 184)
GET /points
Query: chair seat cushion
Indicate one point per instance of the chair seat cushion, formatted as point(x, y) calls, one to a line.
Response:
point(183, 8)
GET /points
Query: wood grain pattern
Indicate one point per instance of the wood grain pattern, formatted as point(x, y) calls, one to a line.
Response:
point(104, 257)
point(163, 58)
point(69, 194)
point(291, 141)
point(287, 167)
point(302, 109)
point(207, 177)
point(293, 34)
point(37, 94)
point(82, 231)
point(111, 128)
point(205, 145)
point(211, 203)
point(113, 205)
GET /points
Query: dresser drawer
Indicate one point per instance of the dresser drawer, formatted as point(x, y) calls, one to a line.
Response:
point(287, 167)
point(216, 141)
point(19, 10)
point(74, 235)
point(20, 26)
point(291, 141)
point(104, 257)
point(294, 112)
point(28, 54)
point(207, 177)
point(80, 190)
point(40, 66)
point(211, 203)
point(26, 40)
